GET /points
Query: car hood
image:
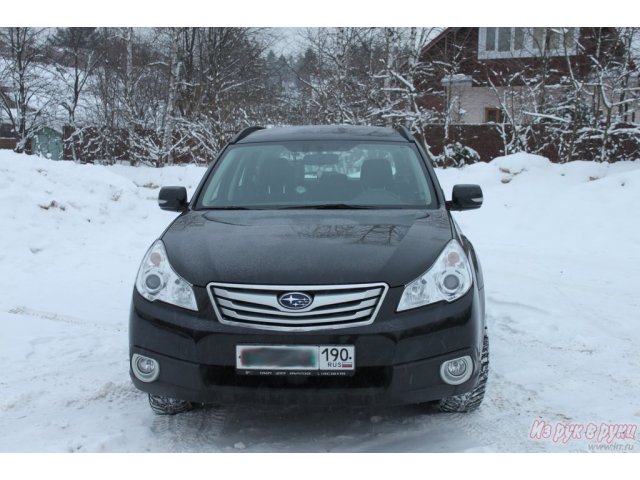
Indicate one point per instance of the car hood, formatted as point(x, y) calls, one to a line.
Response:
point(306, 247)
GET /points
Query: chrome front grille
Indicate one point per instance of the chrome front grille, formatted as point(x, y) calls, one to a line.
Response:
point(332, 306)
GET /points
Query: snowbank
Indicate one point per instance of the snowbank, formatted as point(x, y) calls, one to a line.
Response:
point(520, 162)
point(560, 248)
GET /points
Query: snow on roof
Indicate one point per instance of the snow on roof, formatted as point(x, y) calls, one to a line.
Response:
point(438, 37)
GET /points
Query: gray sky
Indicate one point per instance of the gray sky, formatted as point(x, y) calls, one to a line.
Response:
point(290, 42)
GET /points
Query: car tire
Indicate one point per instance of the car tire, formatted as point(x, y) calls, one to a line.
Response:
point(167, 405)
point(470, 401)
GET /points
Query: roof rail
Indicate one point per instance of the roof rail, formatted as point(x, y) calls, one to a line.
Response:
point(402, 130)
point(245, 132)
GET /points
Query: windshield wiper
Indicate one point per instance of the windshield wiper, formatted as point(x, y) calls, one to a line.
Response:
point(229, 208)
point(329, 206)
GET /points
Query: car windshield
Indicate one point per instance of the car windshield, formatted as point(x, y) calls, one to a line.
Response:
point(319, 174)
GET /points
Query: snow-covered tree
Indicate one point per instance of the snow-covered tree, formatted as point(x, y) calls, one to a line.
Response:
point(578, 107)
point(334, 75)
point(363, 76)
point(401, 74)
point(23, 82)
point(73, 58)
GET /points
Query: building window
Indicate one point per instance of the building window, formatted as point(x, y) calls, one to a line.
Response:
point(493, 115)
point(518, 39)
point(504, 39)
point(490, 39)
point(520, 42)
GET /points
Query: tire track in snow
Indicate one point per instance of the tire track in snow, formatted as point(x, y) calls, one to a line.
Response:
point(56, 317)
point(197, 430)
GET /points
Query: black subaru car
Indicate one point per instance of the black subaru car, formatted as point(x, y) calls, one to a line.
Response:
point(313, 265)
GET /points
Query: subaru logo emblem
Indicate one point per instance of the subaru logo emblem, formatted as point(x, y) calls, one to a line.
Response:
point(294, 300)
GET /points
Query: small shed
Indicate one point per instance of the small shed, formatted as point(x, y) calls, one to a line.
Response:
point(47, 142)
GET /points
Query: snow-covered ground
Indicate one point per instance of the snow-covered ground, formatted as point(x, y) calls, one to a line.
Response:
point(560, 246)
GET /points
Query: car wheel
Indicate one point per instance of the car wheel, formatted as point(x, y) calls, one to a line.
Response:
point(168, 406)
point(470, 401)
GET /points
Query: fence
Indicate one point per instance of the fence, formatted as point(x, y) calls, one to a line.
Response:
point(488, 141)
point(94, 143)
point(8, 143)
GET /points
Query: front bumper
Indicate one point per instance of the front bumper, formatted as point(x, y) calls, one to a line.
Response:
point(398, 357)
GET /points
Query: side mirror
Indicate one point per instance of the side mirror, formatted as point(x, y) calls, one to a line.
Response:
point(173, 199)
point(465, 197)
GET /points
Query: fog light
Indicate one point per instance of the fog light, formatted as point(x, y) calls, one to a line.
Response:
point(144, 368)
point(456, 370)
point(457, 367)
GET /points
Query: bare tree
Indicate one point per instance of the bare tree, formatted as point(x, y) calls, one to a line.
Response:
point(222, 84)
point(569, 93)
point(23, 95)
point(336, 75)
point(168, 116)
point(129, 91)
point(591, 115)
point(74, 59)
point(404, 71)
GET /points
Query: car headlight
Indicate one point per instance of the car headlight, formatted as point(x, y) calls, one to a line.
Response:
point(448, 279)
point(157, 280)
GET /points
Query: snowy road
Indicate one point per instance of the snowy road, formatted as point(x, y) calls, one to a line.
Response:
point(560, 250)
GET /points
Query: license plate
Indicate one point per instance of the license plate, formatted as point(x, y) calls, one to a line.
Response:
point(296, 359)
